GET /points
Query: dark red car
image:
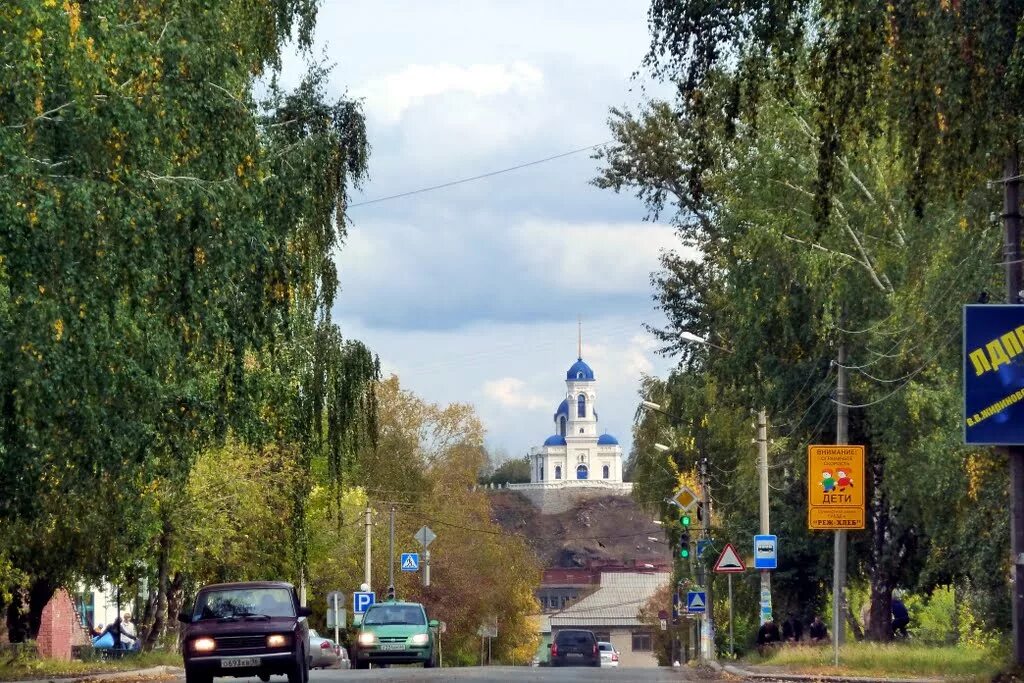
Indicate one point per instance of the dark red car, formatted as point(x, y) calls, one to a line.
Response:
point(255, 628)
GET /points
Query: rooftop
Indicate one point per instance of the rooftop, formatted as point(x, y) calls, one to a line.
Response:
point(615, 603)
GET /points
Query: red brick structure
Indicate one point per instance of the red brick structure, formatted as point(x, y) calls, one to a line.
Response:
point(58, 627)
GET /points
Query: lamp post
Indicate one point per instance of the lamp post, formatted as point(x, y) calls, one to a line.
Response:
point(762, 466)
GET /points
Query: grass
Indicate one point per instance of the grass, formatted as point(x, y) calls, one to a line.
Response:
point(874, 659)
point(23, 667)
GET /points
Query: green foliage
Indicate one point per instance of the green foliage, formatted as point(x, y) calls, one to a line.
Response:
point(511, 471)
point(934, 620)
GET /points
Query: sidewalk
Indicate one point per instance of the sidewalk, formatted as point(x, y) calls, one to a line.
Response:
point(777, 673)
point(152, 673)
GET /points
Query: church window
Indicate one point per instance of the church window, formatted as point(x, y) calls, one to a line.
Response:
point(581, 430)
point(579, 374)
point(581, 472)
point(581, 406)
point(561, 425)
point(558, 471)
point(605, 471)
point(540, 473)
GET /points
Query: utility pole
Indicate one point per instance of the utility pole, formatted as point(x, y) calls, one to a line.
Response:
point(366, 558)
point(709, 587)
point(839, 550)
point(762, 466)
point(1015, 454)
point(391, 556)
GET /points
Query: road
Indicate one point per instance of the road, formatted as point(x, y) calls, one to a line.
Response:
point(514, 674)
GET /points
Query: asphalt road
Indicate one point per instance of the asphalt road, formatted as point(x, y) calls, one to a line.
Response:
point(514, 674)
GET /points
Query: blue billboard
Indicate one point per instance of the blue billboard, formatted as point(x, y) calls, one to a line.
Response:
point(994, 374)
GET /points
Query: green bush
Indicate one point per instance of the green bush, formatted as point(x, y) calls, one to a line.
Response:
point(934, 621)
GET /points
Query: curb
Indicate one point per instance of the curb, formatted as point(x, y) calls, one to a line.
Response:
point(823, 677)
point(112, 675)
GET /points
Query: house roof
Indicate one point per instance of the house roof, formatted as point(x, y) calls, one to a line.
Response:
point(615, 603)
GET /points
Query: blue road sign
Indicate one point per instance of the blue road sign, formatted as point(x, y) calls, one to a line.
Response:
point(696, 602)
point(703, 545)
point(994, 374)
point(766, 552)
point(361, 601)
point(410, 562)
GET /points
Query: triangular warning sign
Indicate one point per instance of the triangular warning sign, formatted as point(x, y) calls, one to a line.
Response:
point(410, 562)
point(729, 561)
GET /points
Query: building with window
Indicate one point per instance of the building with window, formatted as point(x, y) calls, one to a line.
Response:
point(576, 452)
point(611, 612)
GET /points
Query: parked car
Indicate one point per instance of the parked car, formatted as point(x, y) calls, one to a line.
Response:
point(609, 657)
point(575, 648)
point(256, 628)
point(324, 653)
point(395, 633)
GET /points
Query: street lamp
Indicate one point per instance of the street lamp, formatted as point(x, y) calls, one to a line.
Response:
point(662, 447)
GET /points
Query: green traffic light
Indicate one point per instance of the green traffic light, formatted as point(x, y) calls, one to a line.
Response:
point(684, 552)
point(685, 520)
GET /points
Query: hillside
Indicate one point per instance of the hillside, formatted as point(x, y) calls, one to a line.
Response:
point(609, 529)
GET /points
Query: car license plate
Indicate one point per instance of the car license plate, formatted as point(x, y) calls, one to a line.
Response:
point(392, 646)
point(575, 654)
point(237, 662)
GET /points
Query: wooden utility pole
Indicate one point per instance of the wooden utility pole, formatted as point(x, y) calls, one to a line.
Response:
point(1015, 454)
point(839, 546)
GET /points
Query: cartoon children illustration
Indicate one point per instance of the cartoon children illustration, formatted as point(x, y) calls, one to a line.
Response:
point(827, 482)
point(844, 481)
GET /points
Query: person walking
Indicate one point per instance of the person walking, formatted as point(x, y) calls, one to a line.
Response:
point(900, 618)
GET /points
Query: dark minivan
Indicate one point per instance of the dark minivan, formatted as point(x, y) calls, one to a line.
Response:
point(256, 628)
point(575, 648)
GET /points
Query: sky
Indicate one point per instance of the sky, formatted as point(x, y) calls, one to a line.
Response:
point(472, 293)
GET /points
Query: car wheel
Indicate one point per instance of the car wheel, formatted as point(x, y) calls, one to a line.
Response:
point(192, 676)
point(429, 664)
point(360, 664)
point(299, 673)
point(265, 678)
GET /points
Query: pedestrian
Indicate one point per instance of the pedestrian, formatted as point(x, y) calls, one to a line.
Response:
point(900, 618)
point(817, 631)
point(792, 629)
point(798, 629)
point(787, 630)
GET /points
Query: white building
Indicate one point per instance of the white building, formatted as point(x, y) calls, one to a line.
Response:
point(576, 452)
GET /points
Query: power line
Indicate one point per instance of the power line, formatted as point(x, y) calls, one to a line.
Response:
point(479, 177)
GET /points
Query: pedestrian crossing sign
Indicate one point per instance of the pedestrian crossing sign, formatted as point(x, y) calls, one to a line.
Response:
point(410, 562)
point(696, 602)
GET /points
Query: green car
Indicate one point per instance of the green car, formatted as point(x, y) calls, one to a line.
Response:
point(395, 633)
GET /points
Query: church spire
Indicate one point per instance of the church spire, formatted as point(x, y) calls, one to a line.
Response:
point(579, 337)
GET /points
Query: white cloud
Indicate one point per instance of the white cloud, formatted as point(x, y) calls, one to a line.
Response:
point(388, 97)
point(511, 393)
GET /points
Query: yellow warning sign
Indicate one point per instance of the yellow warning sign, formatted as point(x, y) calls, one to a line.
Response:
point(835, 487)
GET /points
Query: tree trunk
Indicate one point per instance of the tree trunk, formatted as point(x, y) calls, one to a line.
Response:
point(175, 596)
point(25, 612)
point(160, 612)
point(881, 576)
point(851, 620)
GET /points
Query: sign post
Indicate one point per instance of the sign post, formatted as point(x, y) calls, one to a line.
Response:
point(334, 615)
point(729, 563)
point(425, 536)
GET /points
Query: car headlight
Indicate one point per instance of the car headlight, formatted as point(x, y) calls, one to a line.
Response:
point(420, 639)
point(277, 640)
point(203, 645)
point(366, 638)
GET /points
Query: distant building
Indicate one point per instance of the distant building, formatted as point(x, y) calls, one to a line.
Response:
point(611, 612)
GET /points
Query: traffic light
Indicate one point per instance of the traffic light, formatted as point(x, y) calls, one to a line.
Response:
point(391, 592)
point(684, 545)
point(686, 520)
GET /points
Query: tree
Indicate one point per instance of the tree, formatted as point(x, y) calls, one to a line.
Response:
point(511, 471)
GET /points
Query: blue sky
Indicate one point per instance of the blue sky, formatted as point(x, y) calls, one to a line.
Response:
point(471, 293)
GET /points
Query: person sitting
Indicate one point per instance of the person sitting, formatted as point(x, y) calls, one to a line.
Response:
point(900, 618)
point(129, 636)
point(768, 637)
point(817, 631)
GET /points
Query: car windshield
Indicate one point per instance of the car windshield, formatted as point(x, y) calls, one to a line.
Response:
point(236, 603)
point(384, 615)
point(606, 647)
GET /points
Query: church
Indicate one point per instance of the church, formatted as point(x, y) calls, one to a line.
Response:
point(576, 452)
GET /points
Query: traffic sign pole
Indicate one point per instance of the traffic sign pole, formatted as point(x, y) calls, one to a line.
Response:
point(732, 646)
point(337, 641)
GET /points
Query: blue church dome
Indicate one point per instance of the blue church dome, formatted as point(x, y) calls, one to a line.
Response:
point(580, 371)
point(607, 440)
point(554, 440)
point(563, 408)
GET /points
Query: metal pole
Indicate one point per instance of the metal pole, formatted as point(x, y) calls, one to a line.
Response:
point(839, 546)
point(391, 552)
point(710, 616)
point(732, 644)
point(1015, 454)
point(337, 641)
point(366, 559)
point(765, 510)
